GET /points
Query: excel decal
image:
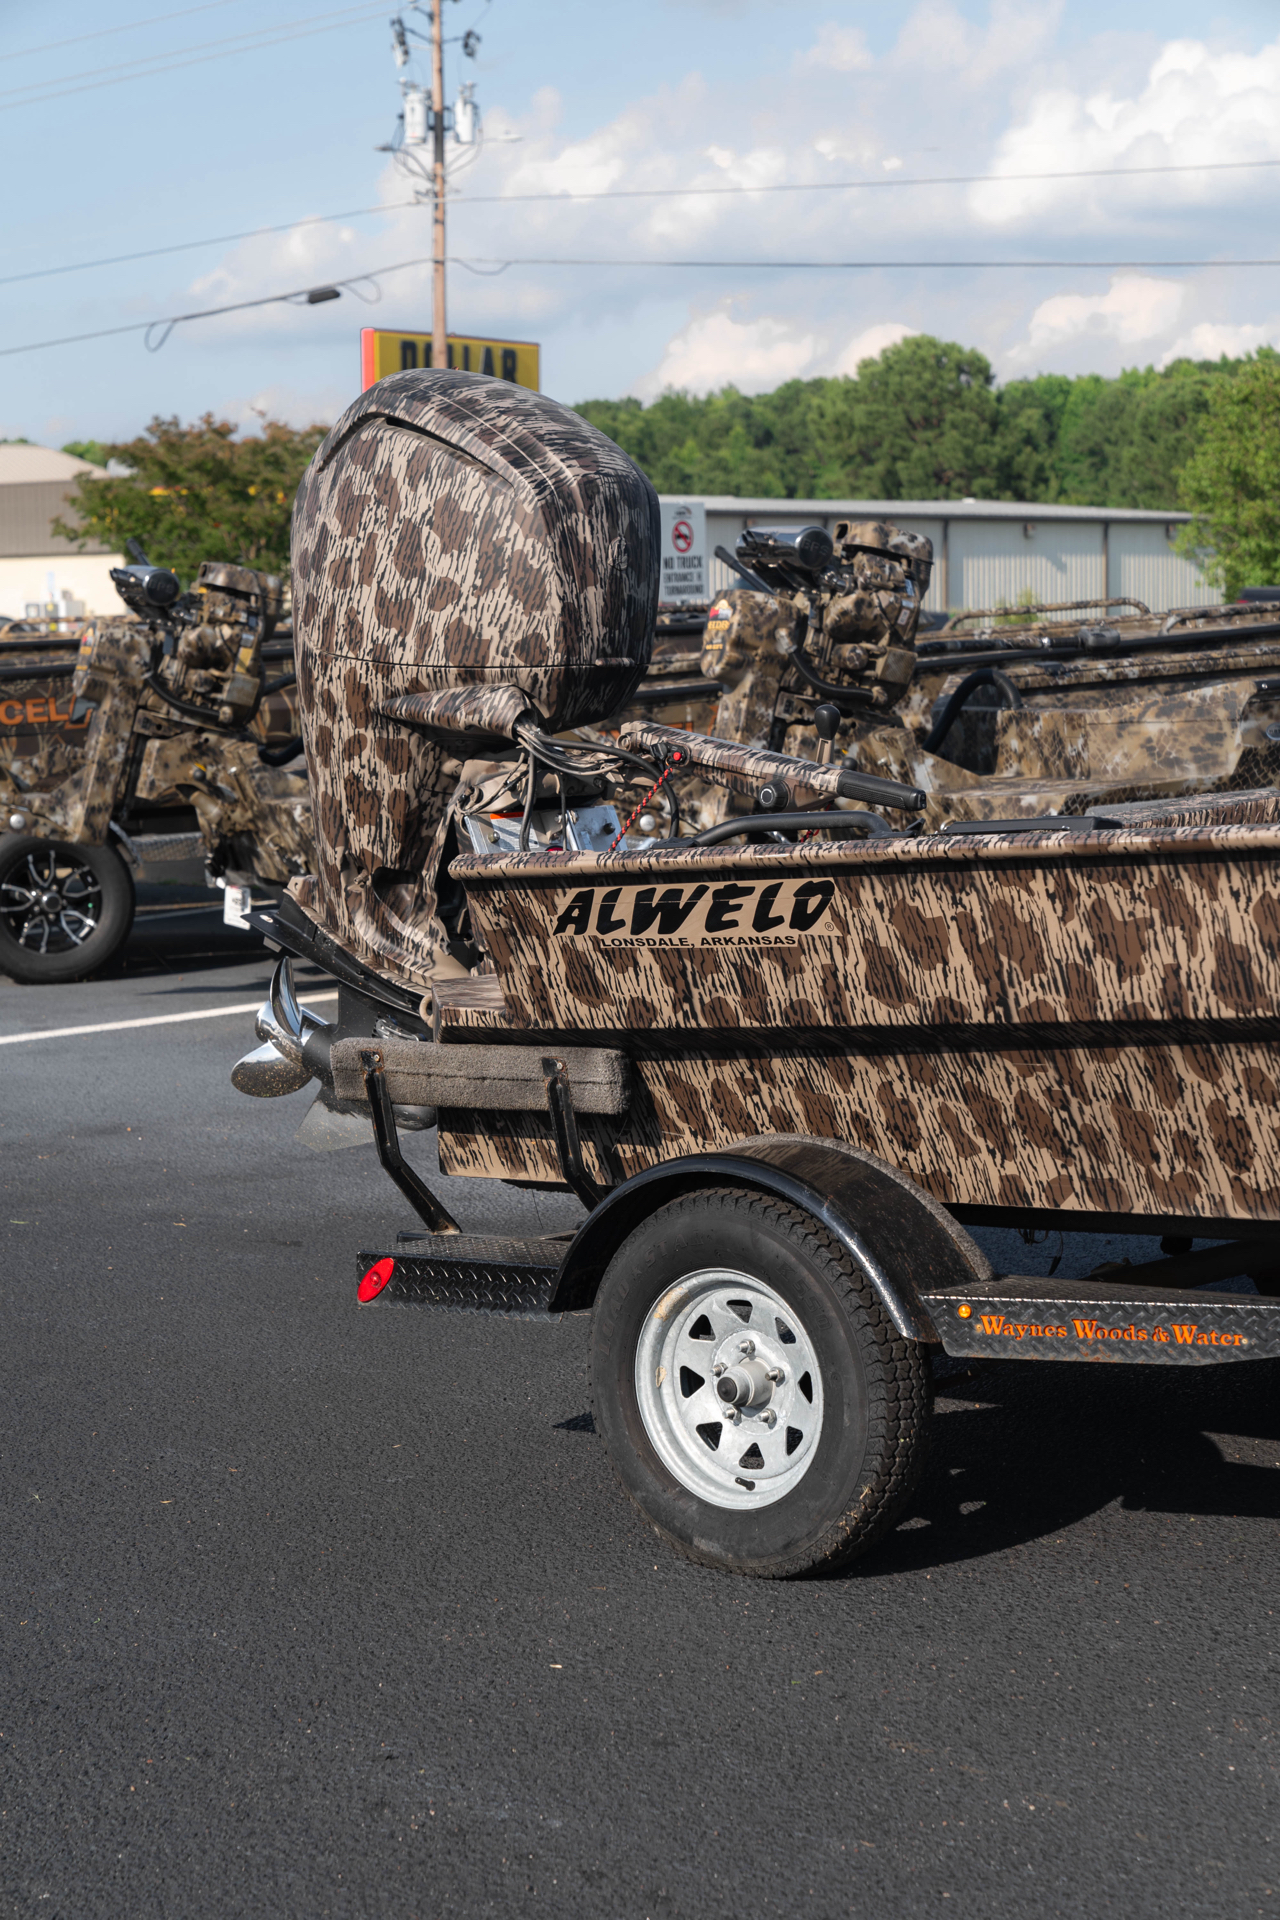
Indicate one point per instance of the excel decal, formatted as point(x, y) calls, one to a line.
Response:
point(773, 913)
point(43, 711)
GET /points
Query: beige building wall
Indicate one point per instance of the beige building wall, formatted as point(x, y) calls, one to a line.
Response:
point(1141, 561)
point(36, 579)
point(999, 562)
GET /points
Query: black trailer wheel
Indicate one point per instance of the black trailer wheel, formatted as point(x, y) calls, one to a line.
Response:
point(64, 910)
point(757, 1403)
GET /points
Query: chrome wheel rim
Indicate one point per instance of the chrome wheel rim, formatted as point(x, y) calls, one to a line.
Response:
point(716, 1333)
point(50, 902)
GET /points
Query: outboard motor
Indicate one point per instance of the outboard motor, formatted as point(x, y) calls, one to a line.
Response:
point(473, 563)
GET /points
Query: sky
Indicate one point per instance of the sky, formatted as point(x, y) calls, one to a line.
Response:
point(146, 125)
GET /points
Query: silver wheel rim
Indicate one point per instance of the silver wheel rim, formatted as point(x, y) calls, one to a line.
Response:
point(50, 904)
point(715, 1330)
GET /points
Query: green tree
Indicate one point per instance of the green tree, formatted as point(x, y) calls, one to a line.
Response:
point(198, 493)
point(1121, 442)
point(94, 451)
point(920, 422)
point(1028, 435)
point(1231, 482)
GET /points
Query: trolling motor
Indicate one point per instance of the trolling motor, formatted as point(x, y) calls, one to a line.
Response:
point(146, 590)
point(850, 600)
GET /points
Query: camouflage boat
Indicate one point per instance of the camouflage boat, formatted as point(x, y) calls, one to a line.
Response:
point(160, 736)
point(1038, 711)
point(783, 1076)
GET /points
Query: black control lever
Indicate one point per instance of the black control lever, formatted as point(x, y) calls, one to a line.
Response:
point(879, 793)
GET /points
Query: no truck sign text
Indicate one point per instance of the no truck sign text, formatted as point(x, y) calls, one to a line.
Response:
point(684, 553)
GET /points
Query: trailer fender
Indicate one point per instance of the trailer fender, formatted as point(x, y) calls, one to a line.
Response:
point(901, 1238)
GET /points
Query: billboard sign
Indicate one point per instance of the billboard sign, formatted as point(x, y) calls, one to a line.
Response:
point(385, 350)
point(684, 554)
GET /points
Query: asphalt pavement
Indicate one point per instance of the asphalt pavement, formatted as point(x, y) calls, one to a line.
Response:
point(256, 1664)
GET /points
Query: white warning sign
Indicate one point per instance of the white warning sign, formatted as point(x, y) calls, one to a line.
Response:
point(684, 553)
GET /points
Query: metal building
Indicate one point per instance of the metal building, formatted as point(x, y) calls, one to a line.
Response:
point(43, 575)
point(990, 553)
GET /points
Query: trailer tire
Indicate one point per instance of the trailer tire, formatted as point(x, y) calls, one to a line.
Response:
point(75, 902)
point(700, 1282)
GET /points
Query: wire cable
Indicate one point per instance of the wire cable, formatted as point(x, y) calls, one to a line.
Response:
point(481, 263)
point(847, 186)
point(128, 26)
point(629, 193)
point(163, 328)
point(252, 43)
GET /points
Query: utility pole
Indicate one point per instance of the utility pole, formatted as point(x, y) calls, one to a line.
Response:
point(439, 336)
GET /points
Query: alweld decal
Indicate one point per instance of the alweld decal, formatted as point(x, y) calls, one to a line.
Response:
point(753, 913)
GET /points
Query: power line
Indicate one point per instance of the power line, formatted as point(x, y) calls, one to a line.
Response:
point(213, 240)
point(865, 266)
point(254, 42)
point(737, 266)
point(913, 180)
point(101, 33)
point(633, 193)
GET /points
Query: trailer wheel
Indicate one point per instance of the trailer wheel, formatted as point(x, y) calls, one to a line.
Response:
point(64, 909)
point(756, 1401)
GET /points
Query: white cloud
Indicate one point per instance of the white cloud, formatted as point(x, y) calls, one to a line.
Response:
point(715, 350)
point(836, 50)
point(1135, 310)
point(1210, 340)
point(1196, 105)
point(871, 343)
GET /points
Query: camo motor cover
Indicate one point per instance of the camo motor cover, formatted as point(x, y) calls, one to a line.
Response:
point(453, 531)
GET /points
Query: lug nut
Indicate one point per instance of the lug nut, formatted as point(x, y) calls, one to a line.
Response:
point(718, 1368)
point(775, 1374)
point(732, 1415)
point(747, 1346)
point(771, 1418)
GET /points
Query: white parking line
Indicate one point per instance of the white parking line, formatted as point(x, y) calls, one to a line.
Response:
point(156, 1020)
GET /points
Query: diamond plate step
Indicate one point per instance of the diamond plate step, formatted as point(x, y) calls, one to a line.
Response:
point(466, 1273)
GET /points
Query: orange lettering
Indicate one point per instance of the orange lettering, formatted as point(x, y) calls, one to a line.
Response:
point(37, 712)
point(992, 1322)
point(12, 713)
point(1185, 1336)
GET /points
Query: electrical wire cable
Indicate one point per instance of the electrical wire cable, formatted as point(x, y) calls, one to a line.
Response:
point(629, 193)
point(890, 181)
point(127, 26)
point(163, 328)
point(558, 755)
point(256, 41)
point(482, 263)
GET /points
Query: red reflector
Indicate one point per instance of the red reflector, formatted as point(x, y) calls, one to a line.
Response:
point(375, 1280)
